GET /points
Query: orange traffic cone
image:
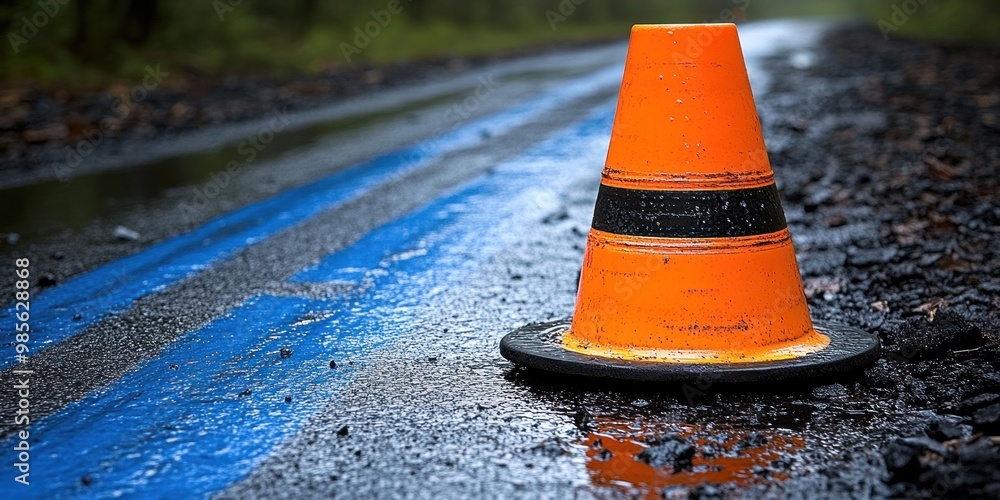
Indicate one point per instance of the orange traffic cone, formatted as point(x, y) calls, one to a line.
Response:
point(689, 270)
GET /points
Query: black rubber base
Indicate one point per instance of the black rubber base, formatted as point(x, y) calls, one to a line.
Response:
point(540, 346)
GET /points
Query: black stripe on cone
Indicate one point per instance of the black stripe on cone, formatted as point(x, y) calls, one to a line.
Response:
point(689, 214)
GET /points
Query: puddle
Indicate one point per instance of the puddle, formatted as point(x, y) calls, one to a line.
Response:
point(41, 210)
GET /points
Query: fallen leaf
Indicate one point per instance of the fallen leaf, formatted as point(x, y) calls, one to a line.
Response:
point(815, 286)
point(908, 232)
point(931, 307)
point(880, 305)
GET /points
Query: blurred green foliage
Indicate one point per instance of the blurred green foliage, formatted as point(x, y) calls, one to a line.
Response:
point(939, 20)
point(86, 42)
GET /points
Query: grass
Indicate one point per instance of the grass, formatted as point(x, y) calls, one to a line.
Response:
point(947, 21)
point(198, 43)
point(318, 50)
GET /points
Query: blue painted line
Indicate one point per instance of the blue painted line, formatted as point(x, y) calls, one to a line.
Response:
point(163, 432)
point(112, 288)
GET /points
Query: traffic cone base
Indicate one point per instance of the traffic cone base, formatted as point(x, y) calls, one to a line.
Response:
point(540, 346)
point(689, 269)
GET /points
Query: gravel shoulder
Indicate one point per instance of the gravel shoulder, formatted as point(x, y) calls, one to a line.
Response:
point(887, 160)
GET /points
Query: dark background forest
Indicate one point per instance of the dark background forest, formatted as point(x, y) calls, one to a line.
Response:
point(88, 42)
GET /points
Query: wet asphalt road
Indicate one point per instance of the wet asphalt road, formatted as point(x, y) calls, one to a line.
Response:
point(328, 322)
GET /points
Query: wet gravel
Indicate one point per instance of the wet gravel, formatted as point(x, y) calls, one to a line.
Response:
point(890, 158)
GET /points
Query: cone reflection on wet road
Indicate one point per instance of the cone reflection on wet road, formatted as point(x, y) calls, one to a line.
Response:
point(723, 456)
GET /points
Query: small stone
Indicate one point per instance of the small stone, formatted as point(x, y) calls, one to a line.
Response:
point(47, 280)
point(705, 491)
point(924, 443)
point(553, 447)
point(919, 339)
point(583, 420)
point(675, 493)
point(836, 221)
point(559, 215)
point(125, 234)
point(987, 419)
point(343, 431)
point(974, 403)
point(752, 440)
point(946, 430)
point(670, 450)
point(902, 460)
point(905, 457)
point(829, 392)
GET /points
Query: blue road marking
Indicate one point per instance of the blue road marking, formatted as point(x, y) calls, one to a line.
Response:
point(167, 432)
point(112, 288)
